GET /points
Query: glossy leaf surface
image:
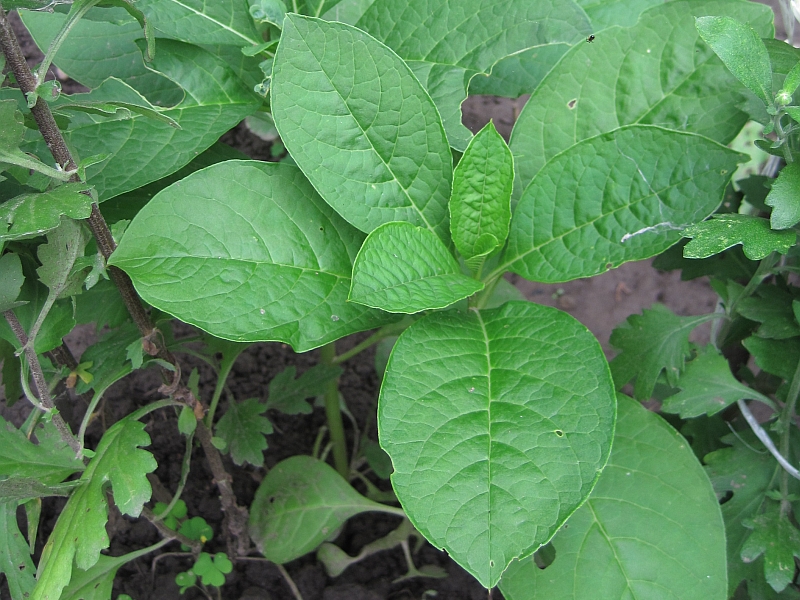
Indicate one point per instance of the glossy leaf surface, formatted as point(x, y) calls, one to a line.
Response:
point(742, 51)
point(202, 21)
point(650, 529)
point(725, 231)
point(376, 157)
point(480, 207)
point(247, 251)
point(448, 43)
point(144, 150)
point(298, 505)
point(406, 269)
point(656, 72)
point(621, 196)
point(498, 424)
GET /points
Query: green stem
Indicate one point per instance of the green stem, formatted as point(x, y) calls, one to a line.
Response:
point(224, 370)
point(482, 299)
point(358, 348)
point(72, 20)
point(787, 418)
point(187, 461)
point(334, 415)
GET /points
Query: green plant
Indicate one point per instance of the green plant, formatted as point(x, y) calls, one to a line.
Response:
point(498, 415)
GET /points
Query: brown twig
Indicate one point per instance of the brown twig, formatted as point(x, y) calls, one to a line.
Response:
point(195, 545)
point(40, 382)
point(236, 516)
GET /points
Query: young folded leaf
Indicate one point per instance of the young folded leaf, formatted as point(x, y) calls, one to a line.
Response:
point(406, 269)
point(480, 206)
point(742, 51)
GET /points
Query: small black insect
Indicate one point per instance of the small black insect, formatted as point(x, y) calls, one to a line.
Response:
point(590, 39)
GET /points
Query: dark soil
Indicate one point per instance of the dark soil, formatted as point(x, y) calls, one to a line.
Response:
point(600, 303)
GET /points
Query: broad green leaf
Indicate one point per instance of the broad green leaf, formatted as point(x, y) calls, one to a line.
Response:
point(50, 461)
point(101, 305)
point(96, 582)
point(778, 357)
point(247, 251)
point(724, 231)
point(656, 72)
point(109, 357)
point(402, 268)
point(519, 73)
point(784, 198)
point(447, 43)
point(742, 475)
point(96, 50)
point(772, 307)
point(480, 206)
point(288, 395)
point(58, 323)
point(655, 341)
point(621, 196)
point(299, 504)
point(31, 215)
point(15, 555)
point(65, 244)
point(779, 540)
point(202, 22)
point(741, 49)
point(374, 156)
point(317, 8)
point(606, 13)
point(80, 532)
point(11, 279)
point(348, 11)
point(10, 138)
point(498, 424)
point(144, 150)
point(707, 387)
point(243, 429)
point(650, 529)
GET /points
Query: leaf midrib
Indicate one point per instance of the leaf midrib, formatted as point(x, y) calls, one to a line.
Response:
point(221, 25)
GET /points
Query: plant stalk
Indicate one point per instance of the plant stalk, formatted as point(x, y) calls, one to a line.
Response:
point(40, 382)
point(334, 414)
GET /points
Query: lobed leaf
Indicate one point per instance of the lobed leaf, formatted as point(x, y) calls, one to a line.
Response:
point(480, 206)
point(49, 461)
point(727, 230)
point(779, 357)
point(772, 307)
point(650, 529)
point(446, 44)
point(15, 554)
point(80, 532)
point(778, 540)
point(743, 475)
point(784, 198)
point(655, 341)
point(498, 424)
point(375, 157)
point(707, 387)
point(406, 269)
point(30, 215)
point(247, 251)
point(243, 429)
point(300, 503)
point(288, 395)
point(626, 195)
point(654, 72)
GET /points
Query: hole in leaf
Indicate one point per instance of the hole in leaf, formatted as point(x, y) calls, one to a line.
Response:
point(571, 104)
point(544, 556)
point(609, 265)
point(559, 433)
point(726, 497)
